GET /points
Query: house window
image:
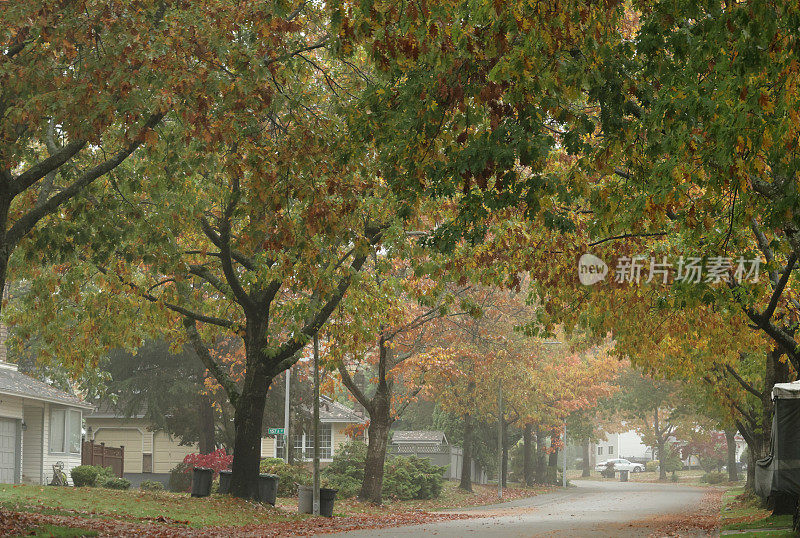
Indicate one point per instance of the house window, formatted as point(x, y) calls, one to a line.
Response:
point(65, 431)
point(599, 451)
point(304, 444)
point(280, 446)
point(610, 449)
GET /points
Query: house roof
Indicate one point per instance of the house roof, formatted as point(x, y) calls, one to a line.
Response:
point(108, 409)
point(419, 437)
point(15, 383)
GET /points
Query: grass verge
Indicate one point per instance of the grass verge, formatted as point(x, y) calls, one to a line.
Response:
point(743, 515)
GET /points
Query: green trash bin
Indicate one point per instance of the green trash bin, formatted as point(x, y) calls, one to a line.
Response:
point(268, 488)
point(326, 498)
point(225, 482)
point(201, 481)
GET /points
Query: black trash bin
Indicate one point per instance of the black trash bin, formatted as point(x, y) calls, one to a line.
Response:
point(623, 476)
point(225, 482)
point(326, 498)
point(201, 481)
point(268, 488)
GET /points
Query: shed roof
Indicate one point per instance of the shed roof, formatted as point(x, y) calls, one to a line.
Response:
point(15, 383)
point(419, 437)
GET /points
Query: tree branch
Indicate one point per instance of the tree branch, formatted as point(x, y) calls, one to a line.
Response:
point(26, 223)
point(211, 365)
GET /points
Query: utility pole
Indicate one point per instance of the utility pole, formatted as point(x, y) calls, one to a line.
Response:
point(564, 473)
point(286, 436)
point(316, 425)
point(499, 440)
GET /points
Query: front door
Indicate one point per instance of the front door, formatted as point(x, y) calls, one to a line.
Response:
point(8, 450)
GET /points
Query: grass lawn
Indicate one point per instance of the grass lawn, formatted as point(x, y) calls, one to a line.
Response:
point(143, 506)
point(740, 513)
point(68, 509)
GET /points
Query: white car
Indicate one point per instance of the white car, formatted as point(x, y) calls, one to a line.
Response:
point(620, 465)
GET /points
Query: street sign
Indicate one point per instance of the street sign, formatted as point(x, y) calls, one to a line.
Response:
point(275, 431)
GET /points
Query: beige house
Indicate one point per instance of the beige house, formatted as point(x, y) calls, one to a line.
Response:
point(152, 454)
point(40, 426)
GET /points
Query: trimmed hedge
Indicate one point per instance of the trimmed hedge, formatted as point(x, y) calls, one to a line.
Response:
point(346, 472)
point(90, 475)
point(411, 477)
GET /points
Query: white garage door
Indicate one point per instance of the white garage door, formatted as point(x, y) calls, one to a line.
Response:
point(8, 441)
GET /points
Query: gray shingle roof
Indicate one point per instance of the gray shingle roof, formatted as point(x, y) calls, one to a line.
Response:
point(419, 437)
point(15, 383)
point(330, 411)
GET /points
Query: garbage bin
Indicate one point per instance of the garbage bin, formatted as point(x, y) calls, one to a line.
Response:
point(623, 476)
point(326, 498)
point(225, 482)
point(201, 481)
point(305, 499)
point(267, 488)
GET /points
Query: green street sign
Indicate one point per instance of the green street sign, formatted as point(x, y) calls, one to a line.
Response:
point(275, 431)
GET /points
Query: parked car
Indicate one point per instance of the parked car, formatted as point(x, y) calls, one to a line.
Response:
point(620, 465)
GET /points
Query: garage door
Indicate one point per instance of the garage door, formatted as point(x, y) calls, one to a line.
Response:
point(8, 441)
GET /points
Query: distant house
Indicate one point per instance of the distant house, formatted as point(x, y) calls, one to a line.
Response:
point(414, 440)
point(627, 445)
point(39, 427)
point(150, 455)
point(433, 445)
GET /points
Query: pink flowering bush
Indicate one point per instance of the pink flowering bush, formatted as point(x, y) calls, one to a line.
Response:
point(218, 460)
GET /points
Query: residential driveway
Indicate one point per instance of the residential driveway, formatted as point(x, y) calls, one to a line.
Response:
point(590, 509)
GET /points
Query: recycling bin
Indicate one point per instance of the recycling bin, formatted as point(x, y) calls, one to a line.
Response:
point(201, 481)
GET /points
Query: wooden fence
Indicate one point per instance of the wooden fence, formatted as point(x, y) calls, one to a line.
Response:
point(104, 456)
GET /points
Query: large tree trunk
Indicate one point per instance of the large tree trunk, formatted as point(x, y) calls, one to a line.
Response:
point(662, 473)
point(552, 463)
point(733, 471)
point(466, 462)
point(247, 443)
point(371, 487)
point(207, 440)
point(541, 458)
point(527, 455)
point(586, 465)
point(249, 412)
point(750, 484)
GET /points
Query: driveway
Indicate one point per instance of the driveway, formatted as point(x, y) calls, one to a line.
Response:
point(589, 509)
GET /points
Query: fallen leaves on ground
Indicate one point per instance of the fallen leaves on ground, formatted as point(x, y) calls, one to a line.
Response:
point(20, 523)
point(705, 520)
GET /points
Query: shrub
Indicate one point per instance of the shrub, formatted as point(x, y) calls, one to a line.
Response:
point(90, 475)
point(412, 478)
point(289, 476)
point(179, 478)
point(651, 466)
point(674, 477)
point(151, 485)
point(84, 475)
point(714, 477)
point(346, 471)
point(116, 483)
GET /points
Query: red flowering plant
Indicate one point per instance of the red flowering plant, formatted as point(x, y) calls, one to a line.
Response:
point(218, 460)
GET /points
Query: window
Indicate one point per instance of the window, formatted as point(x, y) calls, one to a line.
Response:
point(304, 444)
point(65, 431)
point(280, 446)
point(599, 451)
point(610, 449)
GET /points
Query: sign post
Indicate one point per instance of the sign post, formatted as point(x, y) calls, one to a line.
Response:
point(316, 426)
point(285, 431)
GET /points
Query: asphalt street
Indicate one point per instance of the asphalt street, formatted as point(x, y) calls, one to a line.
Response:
point(589, 509)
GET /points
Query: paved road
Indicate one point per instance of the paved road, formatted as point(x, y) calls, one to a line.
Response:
point(590, 509)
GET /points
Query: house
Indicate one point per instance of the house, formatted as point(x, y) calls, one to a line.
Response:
point(433, 445)
point(336, 421)
point(150, 454)
point(39, 427)
point(627, 445)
